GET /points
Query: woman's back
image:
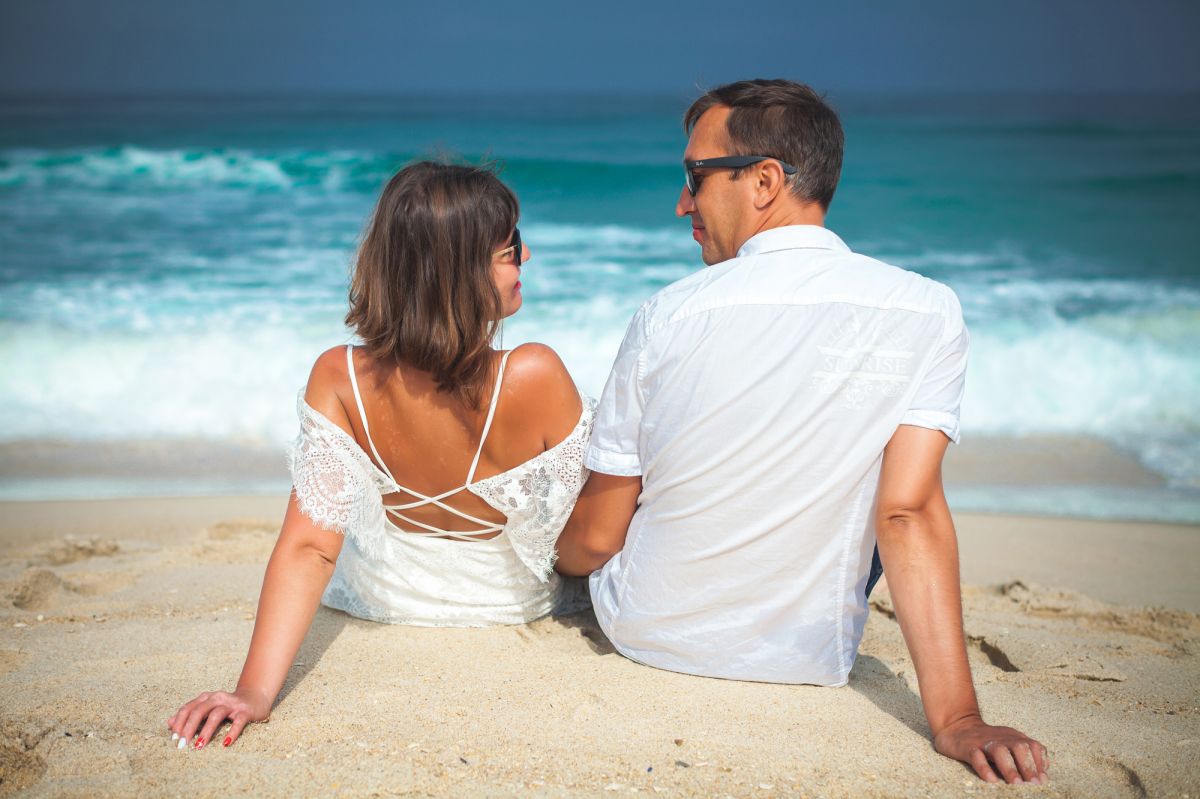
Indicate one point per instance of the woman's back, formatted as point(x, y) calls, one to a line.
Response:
point(427, 440)
point(428, 542)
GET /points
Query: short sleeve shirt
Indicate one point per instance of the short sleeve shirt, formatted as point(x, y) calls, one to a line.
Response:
point(755, 399)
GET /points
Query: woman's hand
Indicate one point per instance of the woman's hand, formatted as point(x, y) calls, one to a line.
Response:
point(241, 707)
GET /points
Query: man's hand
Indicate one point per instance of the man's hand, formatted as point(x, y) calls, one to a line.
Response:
point(989, 749)
point(919, 549)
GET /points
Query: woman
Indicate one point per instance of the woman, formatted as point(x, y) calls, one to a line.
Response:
point(432, 473)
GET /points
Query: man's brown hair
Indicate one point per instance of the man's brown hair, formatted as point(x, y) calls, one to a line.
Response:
point(784, 120)
point(422, 289)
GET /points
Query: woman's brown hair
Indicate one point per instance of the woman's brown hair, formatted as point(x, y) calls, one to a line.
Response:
point(422, 290)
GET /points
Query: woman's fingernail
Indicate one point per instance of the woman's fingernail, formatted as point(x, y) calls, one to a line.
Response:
point(174, 736)
point(228, 740)
point(182, 743)
point(199, 742)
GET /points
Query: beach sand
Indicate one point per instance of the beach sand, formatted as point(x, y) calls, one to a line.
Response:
point(1083, 634)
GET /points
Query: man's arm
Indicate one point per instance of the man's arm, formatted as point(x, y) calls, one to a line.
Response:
point(919, 550)
point(597, 527)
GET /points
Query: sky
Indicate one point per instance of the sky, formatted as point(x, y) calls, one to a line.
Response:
point(222, 47)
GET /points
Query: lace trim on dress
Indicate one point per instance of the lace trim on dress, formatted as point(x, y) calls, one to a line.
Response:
point(538, 496)
point(336, 485)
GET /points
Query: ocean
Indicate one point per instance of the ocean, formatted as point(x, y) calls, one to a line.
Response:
point(169, 269)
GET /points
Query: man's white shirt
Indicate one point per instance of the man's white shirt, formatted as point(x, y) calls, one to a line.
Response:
point(755, 399)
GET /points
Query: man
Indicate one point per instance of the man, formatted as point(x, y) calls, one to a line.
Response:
point(766, 421)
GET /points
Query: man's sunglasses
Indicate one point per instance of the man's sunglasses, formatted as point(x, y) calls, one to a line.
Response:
point(727, 162)
point(515, 248)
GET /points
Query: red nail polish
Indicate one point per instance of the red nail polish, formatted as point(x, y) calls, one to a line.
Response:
point(228, 741)
point(199, 742)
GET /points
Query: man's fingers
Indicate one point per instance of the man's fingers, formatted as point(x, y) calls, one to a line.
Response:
point(979, 762)
point(235, 729)
point(1004, 762)
point(1042, 755)
point(1023, 754)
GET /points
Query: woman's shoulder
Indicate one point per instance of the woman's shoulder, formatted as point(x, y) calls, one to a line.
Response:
point(541, 388)
point(328, 386)
point(536, 368)
point(535, 361)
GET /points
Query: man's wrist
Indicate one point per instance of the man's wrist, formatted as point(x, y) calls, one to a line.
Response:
point(964, 716)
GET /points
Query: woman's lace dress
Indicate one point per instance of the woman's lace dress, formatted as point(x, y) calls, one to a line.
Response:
point(392, 575)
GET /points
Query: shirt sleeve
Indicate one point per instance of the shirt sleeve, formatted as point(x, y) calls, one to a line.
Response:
point(939, 397)
point(614, 445)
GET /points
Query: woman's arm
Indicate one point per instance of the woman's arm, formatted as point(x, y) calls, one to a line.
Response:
point(297, 573)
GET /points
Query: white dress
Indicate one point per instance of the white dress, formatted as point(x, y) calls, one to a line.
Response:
point(399, 576)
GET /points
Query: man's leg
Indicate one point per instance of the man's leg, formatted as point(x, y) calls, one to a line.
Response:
point(876, 571)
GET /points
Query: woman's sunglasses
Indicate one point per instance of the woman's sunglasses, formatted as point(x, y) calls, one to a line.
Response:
point(726, 162)
point(515, 248)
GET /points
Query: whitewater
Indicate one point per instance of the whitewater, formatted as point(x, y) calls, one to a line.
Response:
point(170, 275)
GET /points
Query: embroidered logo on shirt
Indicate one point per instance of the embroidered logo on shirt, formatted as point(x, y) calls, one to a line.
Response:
point(856, 369)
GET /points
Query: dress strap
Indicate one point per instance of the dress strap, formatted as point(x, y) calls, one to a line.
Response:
point(395, 509)
point(362, 412)
point(491, 414)
point(427, 529)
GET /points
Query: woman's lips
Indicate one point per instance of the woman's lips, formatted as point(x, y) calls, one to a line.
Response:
point(698, 234)
point(517, 287)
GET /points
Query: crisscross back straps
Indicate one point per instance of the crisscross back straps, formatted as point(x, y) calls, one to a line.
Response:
point(488, 424)
point(423, 500)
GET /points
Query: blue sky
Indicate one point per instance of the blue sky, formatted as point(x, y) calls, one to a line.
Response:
point(367, 46)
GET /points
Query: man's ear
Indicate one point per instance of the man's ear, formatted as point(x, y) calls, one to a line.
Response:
point(769, 181)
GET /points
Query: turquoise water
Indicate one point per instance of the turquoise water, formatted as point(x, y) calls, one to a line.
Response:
point(171, 269)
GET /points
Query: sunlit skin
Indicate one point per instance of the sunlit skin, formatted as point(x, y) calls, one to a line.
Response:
point(917, 541)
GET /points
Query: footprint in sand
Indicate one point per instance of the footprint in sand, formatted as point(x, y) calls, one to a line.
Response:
point(20, 765)
point(71, 550)
point(35, 589)
point(236, 528)
point(237, 541)
point(1122, 774)
point(99, 583)
point(38, 589)
point(1164, 625)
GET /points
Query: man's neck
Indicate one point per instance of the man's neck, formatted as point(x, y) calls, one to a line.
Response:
point(807, 214)
point(794, 214)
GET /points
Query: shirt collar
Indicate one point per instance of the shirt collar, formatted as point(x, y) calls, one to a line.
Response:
point(792, 237)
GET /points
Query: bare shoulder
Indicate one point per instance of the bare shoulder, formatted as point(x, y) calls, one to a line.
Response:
point(536, 361)
point(542, 388)
point(328, 382)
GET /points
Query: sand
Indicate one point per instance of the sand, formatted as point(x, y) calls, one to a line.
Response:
point(112, 613)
